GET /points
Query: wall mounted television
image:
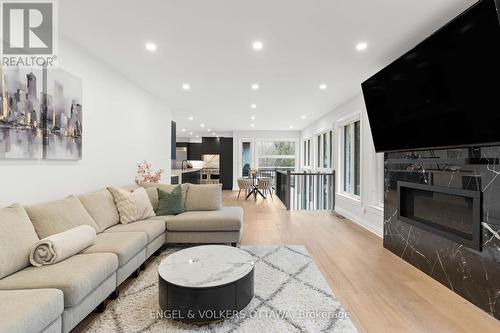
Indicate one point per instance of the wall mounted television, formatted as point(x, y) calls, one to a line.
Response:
point(445, 92)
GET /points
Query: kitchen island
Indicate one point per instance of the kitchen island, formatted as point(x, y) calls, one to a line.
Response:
point(188, 175)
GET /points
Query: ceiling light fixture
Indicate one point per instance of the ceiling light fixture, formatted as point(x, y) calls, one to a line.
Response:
point(213, 133)
point(255, 86)
point(291, 127)
point(202, 125)
point(186, 86)
point(190, 117)
point(252, 117)
point(323, 86)
point(197, 136)
point(253, 106)
point(252, 125)
point(151, 47)
point(361, 46)
point(184, 130)
point(208, 129)
point(303, 117)
point(257, 45)
point(190, 133)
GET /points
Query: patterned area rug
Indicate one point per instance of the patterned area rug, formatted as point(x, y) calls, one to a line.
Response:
point(291, 295)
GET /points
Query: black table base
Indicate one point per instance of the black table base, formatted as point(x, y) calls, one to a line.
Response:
point(204, 305)
point(255, 191)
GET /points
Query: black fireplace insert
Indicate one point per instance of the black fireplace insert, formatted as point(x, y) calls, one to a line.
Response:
point(452, 213)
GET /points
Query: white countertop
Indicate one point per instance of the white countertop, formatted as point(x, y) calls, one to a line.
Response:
point(178, 172)
point(206, 266)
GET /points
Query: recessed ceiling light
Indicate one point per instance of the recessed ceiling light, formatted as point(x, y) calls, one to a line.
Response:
point(190, 117)
point(197, 136)
point(291, 127)
point(257, 45)
point(202, 125)
point(190, 133)
point(255, 86)
point(323, 86)
point(186, 86)
point(184, 130)
point(213, 133)
point(252, 117)
point(252, 125)
point(253, 106)
point(151, 47)
point(208, 129)
point(303, 117)
point(361, 46)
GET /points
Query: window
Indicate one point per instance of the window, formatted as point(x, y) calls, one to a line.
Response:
point(325, 150)
point(276, 154)
point(246, 157)
point(318, 160)
point(307, 153)
point(352, 158)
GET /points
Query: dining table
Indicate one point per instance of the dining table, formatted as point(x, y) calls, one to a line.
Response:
point(255, 189)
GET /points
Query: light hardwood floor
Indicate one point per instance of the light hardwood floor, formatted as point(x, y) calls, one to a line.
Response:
point(382, 292)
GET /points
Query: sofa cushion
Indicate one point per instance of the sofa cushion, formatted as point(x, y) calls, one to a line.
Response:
point(130, 187)
point(163, 218)
point(153, 197)
point(76, 276)
point(29, 311)
point(226, 219)
point(168, 188)
point(170, 203)
point(17, 237)
point(101, 206)
point(132, 206)
point(152, 228)
point(57, 216)
point(204, 197)
point(124, 244)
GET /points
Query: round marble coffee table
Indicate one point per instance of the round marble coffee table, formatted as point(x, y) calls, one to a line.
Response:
point(205, 283)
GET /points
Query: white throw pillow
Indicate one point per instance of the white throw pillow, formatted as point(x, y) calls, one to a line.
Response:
point(132, 206)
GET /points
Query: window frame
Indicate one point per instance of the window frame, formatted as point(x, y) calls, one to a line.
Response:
point(320, 150)
point(296, 156)
point(341, 124)
point(306, 153)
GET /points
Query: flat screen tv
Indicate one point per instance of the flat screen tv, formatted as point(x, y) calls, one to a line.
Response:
point(445, 92)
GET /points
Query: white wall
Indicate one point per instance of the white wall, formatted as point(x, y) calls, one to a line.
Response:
point(122, 125)
point(367, 210)
point(254, 136)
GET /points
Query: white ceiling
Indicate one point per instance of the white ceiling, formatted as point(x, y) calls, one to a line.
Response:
point(208, 45)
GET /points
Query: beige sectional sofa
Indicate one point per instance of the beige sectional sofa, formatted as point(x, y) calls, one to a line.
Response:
point(55, 298)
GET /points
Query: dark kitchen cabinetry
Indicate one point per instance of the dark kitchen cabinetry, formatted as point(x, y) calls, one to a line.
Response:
point(173, 139)
point(191, 177)
point(226, 163)
point(213, 146)
point(194, 151)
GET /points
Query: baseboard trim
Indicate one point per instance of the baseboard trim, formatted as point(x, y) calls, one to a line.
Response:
point(360, 221)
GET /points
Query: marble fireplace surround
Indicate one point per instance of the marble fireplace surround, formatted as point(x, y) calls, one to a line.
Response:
point(474, 275)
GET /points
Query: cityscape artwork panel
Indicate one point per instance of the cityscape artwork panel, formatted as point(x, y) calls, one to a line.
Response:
point(21, 107)
point(40, 120)
point(63, 129)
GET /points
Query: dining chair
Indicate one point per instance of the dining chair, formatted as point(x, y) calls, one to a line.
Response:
point(244, 184)
point(265, 185)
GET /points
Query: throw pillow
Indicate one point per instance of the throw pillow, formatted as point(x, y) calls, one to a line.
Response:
point(170, 203)
point(132, 206)
point(204, 197)
point(17, 236)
